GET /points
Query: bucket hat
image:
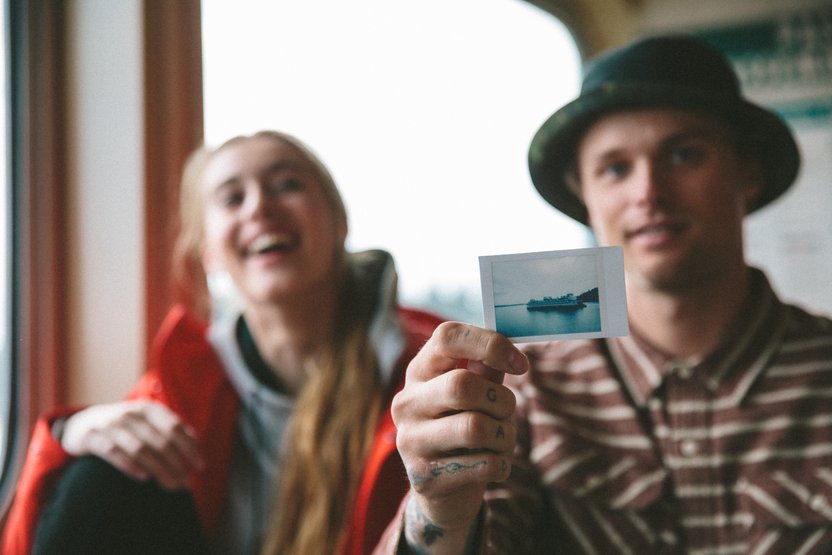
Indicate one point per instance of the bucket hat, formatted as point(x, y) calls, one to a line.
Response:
point(674, 71)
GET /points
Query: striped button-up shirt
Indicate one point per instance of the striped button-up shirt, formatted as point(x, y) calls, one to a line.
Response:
point(637, 452)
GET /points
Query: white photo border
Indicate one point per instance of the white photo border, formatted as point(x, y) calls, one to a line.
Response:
point(609, 264)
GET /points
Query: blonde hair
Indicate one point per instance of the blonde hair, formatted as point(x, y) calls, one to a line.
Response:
point(335, 415)
point(332, 429)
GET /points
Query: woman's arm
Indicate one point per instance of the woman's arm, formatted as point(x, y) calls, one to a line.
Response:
point(142, 438)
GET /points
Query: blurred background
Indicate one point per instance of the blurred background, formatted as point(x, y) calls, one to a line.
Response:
point(422, 110)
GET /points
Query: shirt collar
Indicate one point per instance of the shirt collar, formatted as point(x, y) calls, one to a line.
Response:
point(730, 370)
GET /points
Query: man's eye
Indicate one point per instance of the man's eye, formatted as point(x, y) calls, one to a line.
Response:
point(615, 169)
point(685, 155)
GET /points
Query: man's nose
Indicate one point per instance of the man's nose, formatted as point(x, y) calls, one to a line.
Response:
point(650, 183)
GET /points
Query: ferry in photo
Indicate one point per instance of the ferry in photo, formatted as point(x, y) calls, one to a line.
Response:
point(564, 302)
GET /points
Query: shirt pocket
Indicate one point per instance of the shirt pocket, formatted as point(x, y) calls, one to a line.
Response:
point(618, 480)
point(788, 506)
point(618, 502)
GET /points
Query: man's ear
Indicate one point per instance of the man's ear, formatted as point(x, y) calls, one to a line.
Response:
point(752, 183)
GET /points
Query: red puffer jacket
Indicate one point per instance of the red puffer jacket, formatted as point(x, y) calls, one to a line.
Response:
point(187, 376)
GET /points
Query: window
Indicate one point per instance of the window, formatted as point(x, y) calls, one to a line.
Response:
point(31, 234)
point(5, 247)
point(423, 111)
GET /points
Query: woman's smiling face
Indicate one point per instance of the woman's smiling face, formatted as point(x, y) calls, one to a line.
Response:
point(268, 220)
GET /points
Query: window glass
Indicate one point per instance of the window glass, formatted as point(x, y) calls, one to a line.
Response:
point(5, 242)
point(423, 111)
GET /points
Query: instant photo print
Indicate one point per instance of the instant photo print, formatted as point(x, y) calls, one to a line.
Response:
point(568, 294)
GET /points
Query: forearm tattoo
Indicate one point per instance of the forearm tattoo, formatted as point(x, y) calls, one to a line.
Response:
point(421, 534)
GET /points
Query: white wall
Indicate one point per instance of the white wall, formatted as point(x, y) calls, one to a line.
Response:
point(105, 184)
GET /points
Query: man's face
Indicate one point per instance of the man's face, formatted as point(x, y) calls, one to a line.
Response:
point(670, 188)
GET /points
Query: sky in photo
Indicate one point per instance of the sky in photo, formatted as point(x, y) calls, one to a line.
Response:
point(517, 281)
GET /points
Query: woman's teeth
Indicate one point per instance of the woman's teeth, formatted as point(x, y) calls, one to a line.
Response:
point(270, 242)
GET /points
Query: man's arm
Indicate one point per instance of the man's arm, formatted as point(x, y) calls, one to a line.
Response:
point(455, 434)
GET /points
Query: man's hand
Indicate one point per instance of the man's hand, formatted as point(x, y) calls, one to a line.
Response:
point(143, 439)
point(454, 431)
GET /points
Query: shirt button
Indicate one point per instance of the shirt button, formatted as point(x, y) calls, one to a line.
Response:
point(682, 371)
point(688, 447)
point(817, 502)
point(593, 482)
point(742, 485)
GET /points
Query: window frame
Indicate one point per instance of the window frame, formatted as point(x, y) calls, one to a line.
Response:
point(173, 127)
point(36, 158)
point(172, 73)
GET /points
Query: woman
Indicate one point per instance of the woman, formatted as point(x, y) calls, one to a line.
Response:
point(276, 417)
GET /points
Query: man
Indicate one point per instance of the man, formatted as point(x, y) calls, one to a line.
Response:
point(709, 428)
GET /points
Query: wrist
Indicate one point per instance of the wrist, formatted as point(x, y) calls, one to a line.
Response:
point(424, 536)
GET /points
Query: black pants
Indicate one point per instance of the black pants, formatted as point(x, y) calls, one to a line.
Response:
point(98, 510)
